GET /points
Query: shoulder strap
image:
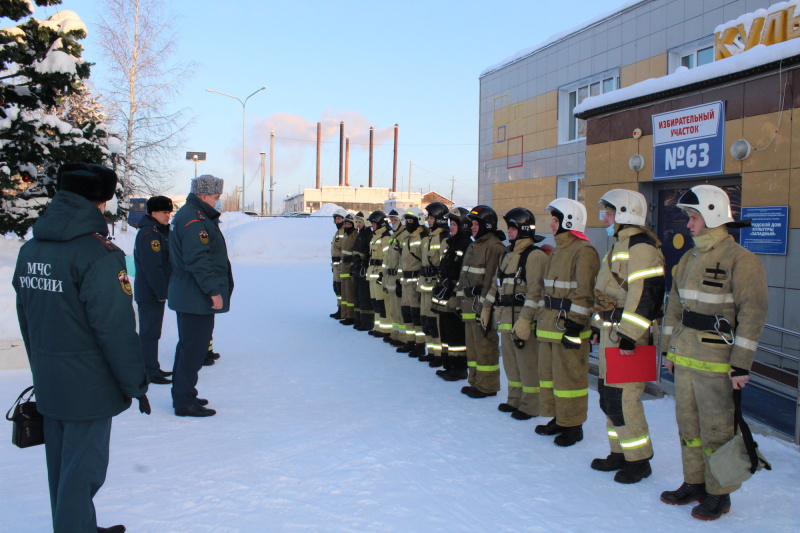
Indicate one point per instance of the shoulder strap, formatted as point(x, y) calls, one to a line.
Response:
point(523, 261)
point(749, 443)
point(19, 399)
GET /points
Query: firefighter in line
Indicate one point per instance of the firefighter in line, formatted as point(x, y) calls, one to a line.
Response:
point(336, 253)
point(410, 264)
point(348, 299)
point(444, 301)
point(477, 276)
point(153, 269)
point(515, 297)
point(431, 257)
point(715, 315)
point(364, 316)
point(382, 326)
point(562, 327)
point(629, 295)
point(391, 272)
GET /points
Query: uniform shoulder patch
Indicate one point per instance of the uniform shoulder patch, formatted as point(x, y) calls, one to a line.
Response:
point(110, 246)
point(203, 237)
point(155, 244)
point(124, 282)
point(200, 215)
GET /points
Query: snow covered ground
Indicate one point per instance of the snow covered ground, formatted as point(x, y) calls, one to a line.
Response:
point(322, 428)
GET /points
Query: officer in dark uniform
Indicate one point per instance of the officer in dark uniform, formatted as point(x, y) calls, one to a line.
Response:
point(201, 286)
point(153, 269)
point(76, 317)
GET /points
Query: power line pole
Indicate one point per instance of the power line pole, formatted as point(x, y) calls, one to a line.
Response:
point(452, 188)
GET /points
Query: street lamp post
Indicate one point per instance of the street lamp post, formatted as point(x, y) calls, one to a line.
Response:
point(244, 118)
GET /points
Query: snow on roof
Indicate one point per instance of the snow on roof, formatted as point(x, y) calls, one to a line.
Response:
point(755, 57)
point(559, 36)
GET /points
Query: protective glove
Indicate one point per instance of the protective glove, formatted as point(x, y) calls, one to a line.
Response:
point(571, 339)
point(398, 290)
point(454, 303)
point(144, 404)
point(603, 302)
point(380, 278)
point(522, 328)
point(626, 343)
point(486, 317)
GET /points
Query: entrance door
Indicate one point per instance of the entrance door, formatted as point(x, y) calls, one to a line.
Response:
point(671, 222)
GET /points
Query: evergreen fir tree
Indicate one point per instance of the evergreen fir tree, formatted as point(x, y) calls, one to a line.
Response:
point(40, 69)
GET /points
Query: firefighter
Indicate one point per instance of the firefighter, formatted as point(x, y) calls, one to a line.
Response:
point(444, 301)
point(629, 294)
point(364, 315)
point(562, 326)
point(391, 271)
point(380, 238)
point(336, 253)
point(431, 257)
point(153, 269)
point(515, 298)
point(715, 314)
point(410, 264)
point(477, 276)
point(348, 300)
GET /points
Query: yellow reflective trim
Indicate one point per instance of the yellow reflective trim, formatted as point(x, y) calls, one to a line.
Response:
point(487, 368)
point(530, 390)
point(504, 327)
point(472, 363)
point(612, 434)
point(517, 384)
point(549, 334)
point(546, 384)
point(709, 451)
point(698, 365)
point(638, 442)
point(692, 443)
point(647, 273)
point(636, 319)
point(570, 393)
point(621, 256)
point(469, 315)
point(344, 275)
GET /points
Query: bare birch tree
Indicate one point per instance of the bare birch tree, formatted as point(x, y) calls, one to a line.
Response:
point(138, 43)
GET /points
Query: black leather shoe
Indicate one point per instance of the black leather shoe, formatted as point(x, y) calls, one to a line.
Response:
point(713, 506)
point(465, 389)
point(476, 393)
point(406, 347)
point(614, 461)
point(454, 375)
point(202, 401)
point(634, 472)
point(506, 408)
point(347, 322)
point(112, 529)
point(208, 361)
point(520, 415)
point(569, 436)
point(686, 493)
point(213, 355)
point(195, 410)
point(551, 428)
point(164, 373)
point(337, 315)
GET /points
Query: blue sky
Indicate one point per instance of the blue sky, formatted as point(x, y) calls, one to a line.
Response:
point(414, 63)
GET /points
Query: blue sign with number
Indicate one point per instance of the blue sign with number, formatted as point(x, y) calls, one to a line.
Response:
point(768, 231)
point(689, 142)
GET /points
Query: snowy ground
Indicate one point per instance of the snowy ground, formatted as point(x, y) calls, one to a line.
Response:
point(322, 428)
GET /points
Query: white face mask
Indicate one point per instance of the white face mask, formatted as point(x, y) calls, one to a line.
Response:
point(218, 205)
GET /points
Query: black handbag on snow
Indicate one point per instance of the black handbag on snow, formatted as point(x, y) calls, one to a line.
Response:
point(28, 429)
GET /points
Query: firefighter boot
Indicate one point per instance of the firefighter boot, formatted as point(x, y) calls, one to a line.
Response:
point(569, 436)
point(686, 493)
point(634, 472)
point(406, 348)
point(435, 361)
point(614, 461)
point(458, 369)
point(714, 506)
point(418, 351)
point(445, 365)
point(551, 428)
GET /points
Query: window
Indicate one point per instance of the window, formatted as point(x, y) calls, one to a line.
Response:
point(571, 128)
point(691, 55)
point(570, 187)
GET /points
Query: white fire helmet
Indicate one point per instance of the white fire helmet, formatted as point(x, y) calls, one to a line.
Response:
point(415, 212)
point(574, 213)
point(340, 212)
point(711, 202)
point(630, 206)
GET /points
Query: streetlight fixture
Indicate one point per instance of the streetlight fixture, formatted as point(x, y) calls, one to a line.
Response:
point(244, 108)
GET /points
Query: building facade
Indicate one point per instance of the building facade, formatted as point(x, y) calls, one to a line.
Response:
point(682, 95)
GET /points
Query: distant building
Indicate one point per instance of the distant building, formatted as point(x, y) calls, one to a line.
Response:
point(366, 199)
